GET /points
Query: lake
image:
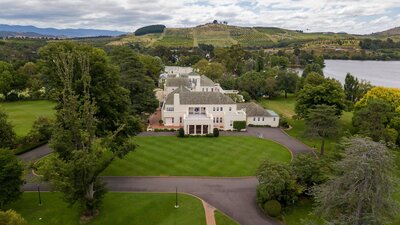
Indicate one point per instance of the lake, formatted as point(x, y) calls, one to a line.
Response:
point(379, 73)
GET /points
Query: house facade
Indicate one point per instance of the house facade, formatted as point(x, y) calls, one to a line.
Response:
point(199, 105)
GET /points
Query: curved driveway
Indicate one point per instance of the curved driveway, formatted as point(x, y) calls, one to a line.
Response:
point(236, 197)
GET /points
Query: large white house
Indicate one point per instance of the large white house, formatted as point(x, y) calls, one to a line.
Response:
point(199, 105)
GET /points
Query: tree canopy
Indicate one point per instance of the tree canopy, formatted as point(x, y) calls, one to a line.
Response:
point(362, 190)
point(11, 177)
point(7, 134)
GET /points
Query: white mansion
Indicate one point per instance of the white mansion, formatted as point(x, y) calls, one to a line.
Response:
point(199, 105)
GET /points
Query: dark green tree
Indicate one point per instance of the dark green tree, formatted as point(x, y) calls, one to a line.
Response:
point(362, 190)
point(7, 134)
point(276, 182)
point(330, 92)
point(314, 67)
point(287, 82)
point(6, 78)
point(351, 87)
point(81, 154)
point(322, 122)
point(11, 177)
point(112, 100)
point(309, 171)
point(134, 78)
point(372, 119)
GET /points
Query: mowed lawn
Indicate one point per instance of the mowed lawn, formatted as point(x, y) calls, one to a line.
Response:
point(227, 156)
point(22, 114)
point(117, 209)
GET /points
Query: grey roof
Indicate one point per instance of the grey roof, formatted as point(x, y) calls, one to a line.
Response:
point(205, 81)
point(254, 109)
point(177, 82)
point(187, 97)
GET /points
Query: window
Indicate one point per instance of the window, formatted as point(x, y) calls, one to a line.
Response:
point(220, 120)
point(263, 119)
point(254, 119)
point(217, 109)
point(173, 120)
point(212, 89)
point(207, 89)
point(203, 89)
point(274, 118)
point(214, 109)
point(214, 120)
point(258, 118)
point(180, 119)
point(221, 109)
point(217, 120)
point(230, 123)
point(230, 108)
point(170, 109)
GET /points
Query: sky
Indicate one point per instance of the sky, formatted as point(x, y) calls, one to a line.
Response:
point(352, 16)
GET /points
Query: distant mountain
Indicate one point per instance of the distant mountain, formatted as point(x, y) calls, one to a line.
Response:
point(393, 31)
point(25, 34)
point(71, 33)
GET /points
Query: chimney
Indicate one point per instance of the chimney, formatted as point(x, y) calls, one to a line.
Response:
point(176, 99)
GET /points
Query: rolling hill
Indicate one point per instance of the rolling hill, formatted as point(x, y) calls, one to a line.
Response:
point(221, 35)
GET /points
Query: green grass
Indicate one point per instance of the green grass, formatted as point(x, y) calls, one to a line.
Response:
point(286, 108)
point(118, 209)
point(301, 212)
point(197, 156)
point(22, 114)
point(222, 219)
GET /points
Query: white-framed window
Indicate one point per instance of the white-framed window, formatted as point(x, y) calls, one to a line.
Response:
point(217, 109)
point(274, 118)
point(173, 120)
point(230, 108)
point(214, 109)
point(230, 123)
point(217, 120)
point(263, 119)
point(180, 119)
point(258, 118)
point(254, 119)
point(220, 120)
point(170, 109)
point(212, 89)
point(214, 120)
point(222, 109)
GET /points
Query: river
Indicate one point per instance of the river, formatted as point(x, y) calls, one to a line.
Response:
point(379, 73)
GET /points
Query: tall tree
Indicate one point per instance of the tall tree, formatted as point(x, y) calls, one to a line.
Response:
point(11, 177)
point(330, 92)
point(322, 122)
point(134, 78)
point(112, 100)
point(287, 82)
point(362, 191)
point(6, 78)
point(81, 155)
point(314, 67)
point(7, 134)
point(351, 87)
point(373, 119)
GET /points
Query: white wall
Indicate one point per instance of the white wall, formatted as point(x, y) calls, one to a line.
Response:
point(268, 121)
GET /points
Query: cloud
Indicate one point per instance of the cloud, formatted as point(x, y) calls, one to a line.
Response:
point(353, 16)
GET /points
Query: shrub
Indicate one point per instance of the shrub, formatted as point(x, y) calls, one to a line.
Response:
point(215, 132)
point(277, 181)
point(283, 122)
point(160, 121)
point(246, 96)
point(273, 208)
point(181, 132)
point(41, 130)
point(11, 217)
point(239, 125)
